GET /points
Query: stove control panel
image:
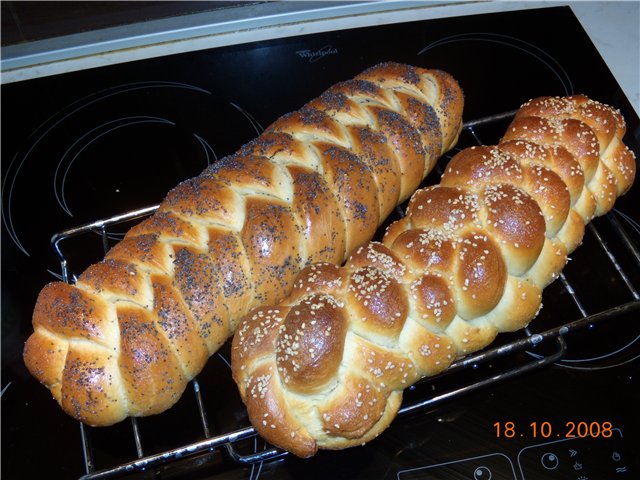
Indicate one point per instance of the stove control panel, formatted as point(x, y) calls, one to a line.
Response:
point(495, 466)
point(578, 458)
point(575, 458)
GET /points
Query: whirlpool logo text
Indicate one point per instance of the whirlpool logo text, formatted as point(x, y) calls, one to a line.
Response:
point(319, 54)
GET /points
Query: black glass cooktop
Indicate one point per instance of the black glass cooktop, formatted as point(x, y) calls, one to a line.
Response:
point(88, 145)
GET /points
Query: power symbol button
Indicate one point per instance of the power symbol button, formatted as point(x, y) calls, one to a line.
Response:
point(482, 473)
point(550, 461)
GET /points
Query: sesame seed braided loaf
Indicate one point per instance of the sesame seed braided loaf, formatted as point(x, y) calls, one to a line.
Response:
point(136, 327)
point(326, 367)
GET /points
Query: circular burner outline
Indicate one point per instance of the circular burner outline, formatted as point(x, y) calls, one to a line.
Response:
point(60, 192)
point(19, 159)
point(509, 41)
point(563, 362)
point(570, 363)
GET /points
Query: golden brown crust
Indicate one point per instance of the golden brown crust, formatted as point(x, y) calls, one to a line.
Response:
point(355, 191)
point(263, 401)
point(177, 324)
point(168, 225)
point(234, 269)
point(309, 351)
point(315, 185)
point(343, 414)
point(375, 151)
point(468, 261)
point(89, 387)
point(321, 222)
point(480, 274)
point(45, 358)
point(72, 312)
point(377, 303)
point(197, 278)
point(147, 364)
point(271, 240)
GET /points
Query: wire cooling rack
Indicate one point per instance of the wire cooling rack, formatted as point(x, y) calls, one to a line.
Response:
point(539, 349)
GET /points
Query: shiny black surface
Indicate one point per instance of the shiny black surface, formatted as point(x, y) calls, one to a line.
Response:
point(87, 145)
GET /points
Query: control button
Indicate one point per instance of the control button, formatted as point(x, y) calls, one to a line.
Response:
point(621, 470)
point(482, 473)
point(577, 466)
point(550, 461)
point(573, 453)
point(582, 477)
point(615, 456)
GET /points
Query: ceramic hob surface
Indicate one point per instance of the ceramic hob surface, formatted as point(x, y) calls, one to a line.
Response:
point(89, 145)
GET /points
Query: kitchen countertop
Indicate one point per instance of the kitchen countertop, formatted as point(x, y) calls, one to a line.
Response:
point(613, 27)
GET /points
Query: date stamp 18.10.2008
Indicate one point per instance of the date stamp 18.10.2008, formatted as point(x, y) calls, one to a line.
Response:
point(545, 429)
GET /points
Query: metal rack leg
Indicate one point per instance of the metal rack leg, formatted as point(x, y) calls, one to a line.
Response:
point(87, 453)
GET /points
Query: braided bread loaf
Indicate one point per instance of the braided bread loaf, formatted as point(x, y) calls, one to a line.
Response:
point(136, 327)
point(326, 367)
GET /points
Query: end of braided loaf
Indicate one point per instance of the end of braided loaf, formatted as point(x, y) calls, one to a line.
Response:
point(326, 367)
point(136, 327)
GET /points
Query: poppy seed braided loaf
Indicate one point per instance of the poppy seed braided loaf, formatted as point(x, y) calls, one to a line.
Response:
point(137, 326)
